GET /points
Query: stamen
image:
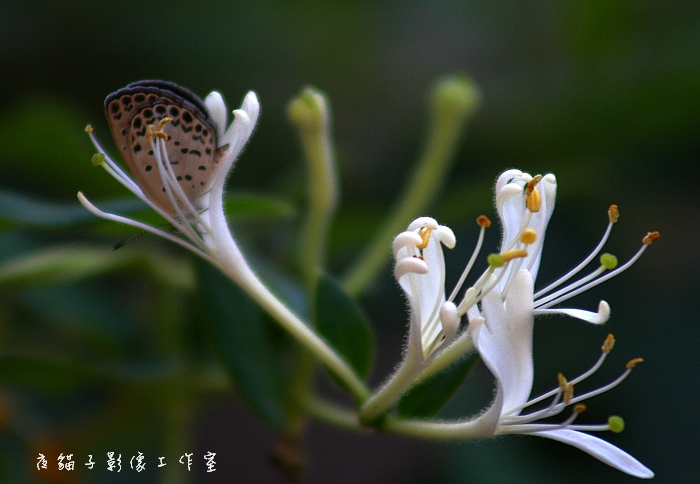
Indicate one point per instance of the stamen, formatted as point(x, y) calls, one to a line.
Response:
point(616, 424)
point(424, 233)
point(533, 199)
point(528, 237)
point(157, 131)
point(612, 219)
point(513, 254)
point(634, 362)
point(88, 129)
point(608, 344)
point(651, 237)
point(97, 159)
point(484, 223)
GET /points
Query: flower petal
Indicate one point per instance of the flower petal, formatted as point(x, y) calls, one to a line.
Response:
point(601, 450)
point(600, 317)
point(505, 340)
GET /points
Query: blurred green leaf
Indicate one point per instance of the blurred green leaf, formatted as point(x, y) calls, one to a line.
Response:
point(428, 397)
point(341, 322)
point(245, 346)
point(21, 209)
point(69, 263)
point(87, 312)
point(43, 375)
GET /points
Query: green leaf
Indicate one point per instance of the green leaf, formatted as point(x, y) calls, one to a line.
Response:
point(428, 397)
point(243, 343)
point(43, 375)
point(18, 208)
point(341, 322)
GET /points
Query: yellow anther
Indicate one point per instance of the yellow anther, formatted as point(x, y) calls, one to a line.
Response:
point(163, 122)
point(613, 214)
point(568, 393)
point(634, 362)
point(513, 254)
point(608, 344)
point(88, 129)
point(529, 236)
point(580, 408)
point(483, 221)
point(424, 233)
point(157, 131)
point(651, 237)
point(534, 201)
point(562, 381)
point(532, 184)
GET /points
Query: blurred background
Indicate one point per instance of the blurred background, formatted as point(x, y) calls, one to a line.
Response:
point(606, 95)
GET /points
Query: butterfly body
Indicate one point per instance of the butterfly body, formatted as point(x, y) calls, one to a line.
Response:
point(190, 141)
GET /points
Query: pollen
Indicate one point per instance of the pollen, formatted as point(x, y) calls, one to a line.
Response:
point(562, 381)
point(157, 131)
point(608, 261)
point(529, 236)
point(613, 214)
point(608, 344)
point(424, 233)
point(616, 424)
point(534, 201)
point(88, 129)
point(634, 362)
point(651, 237)
point(509, 255)
point(483, 221)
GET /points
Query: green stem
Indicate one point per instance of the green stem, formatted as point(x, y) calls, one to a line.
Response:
point(310, 114)
point(446, 357)
point(332, 414)
point(454, 100)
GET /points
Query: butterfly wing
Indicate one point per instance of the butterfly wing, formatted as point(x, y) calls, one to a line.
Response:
point(191, 144)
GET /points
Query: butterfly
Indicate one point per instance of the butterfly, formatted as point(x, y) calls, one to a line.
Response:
point(144, 108)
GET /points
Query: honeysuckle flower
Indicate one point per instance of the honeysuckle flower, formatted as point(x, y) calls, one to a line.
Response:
point(198, 222)
point(501, 307)
point(420, 271)
point(501, 326)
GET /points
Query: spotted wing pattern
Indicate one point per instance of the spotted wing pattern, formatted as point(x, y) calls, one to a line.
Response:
point(191, 144)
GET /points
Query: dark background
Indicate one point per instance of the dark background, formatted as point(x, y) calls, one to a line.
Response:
point(606, 95)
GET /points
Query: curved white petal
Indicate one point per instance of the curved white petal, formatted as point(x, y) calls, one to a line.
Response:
point(404, 240)
point(409, 265)
point(216, 107)
point(601, 450)
point(421, 222)
point(505, 339)
point(600, 317)
point(446, 236)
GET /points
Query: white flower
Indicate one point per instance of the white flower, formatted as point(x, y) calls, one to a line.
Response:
point(501, 328)
point(420, 270)
point(201, 223)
